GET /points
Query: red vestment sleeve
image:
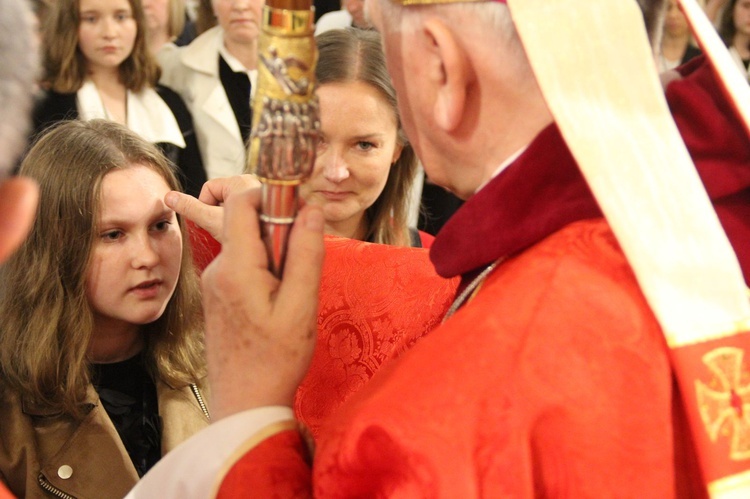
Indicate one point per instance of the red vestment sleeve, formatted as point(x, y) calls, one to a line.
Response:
point(4, 493)
point(276, 467)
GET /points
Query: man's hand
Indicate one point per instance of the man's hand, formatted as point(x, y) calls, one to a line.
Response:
point(18, 201)
point(260, 331)
point(206, 211)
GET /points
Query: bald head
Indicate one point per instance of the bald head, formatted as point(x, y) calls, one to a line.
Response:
point(18, 71)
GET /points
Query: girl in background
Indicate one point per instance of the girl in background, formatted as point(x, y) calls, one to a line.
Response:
point(97, 65)
point(101, 346)
point(677, 46)
point(734, 29)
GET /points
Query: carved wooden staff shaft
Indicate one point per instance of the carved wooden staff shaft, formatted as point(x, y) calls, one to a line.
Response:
point(286, 121)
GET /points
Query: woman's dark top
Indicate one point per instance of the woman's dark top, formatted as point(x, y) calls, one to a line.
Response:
point(128, 394)
point(54, 107)
point(415, 241)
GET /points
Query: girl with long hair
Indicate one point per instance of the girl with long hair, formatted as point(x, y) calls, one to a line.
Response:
point(97, 64)
point(734, 29)
point(101, 351)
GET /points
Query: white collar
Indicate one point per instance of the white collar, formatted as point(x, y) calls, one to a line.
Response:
point(505, 164)
point(148, 114)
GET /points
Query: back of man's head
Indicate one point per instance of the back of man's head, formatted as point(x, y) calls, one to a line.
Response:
point(18, 71)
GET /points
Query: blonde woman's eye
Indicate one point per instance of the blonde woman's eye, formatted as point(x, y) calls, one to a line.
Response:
point(364, 145)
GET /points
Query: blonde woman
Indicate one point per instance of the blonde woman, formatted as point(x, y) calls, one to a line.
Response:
point(165, 20)
point(365, 166)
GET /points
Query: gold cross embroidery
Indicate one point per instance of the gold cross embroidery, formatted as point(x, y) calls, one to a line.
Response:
point(724, 403)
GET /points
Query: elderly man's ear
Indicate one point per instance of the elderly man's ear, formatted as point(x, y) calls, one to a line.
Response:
point(18, 200)
point(451, 74)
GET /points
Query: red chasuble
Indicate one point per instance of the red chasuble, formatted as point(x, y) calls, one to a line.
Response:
point(554, 380)
point(376, 302)
point(4, 493)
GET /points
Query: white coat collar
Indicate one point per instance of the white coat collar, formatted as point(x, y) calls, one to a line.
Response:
point(202, 53)
point(148, 114)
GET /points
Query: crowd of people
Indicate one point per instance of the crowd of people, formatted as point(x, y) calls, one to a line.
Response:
point(527, 350)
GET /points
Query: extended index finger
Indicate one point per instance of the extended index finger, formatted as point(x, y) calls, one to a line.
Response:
point(207, 217)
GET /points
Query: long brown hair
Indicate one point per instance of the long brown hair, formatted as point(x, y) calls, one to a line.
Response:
point(47, 321)
point(205, 18)
point(176, 18)
point(356, 55)
point(727, 29)
point(65, 64)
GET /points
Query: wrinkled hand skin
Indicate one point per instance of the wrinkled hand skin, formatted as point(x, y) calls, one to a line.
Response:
point(18, 201)
point(260, 331)
point(207, 211)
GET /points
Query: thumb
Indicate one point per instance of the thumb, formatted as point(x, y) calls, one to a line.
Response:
point(209, 218)
point(304, 262)
point(18, 200)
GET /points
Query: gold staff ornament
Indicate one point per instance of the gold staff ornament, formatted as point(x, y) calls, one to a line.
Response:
point(286, 122)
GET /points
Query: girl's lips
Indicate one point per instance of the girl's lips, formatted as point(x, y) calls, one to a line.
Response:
point(147, 289)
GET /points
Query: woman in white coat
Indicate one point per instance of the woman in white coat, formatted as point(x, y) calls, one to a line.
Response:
point(216, 76)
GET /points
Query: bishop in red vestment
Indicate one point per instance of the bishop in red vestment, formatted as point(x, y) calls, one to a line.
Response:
point(552, 376)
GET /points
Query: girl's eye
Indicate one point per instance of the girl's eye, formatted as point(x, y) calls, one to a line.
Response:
point(363, 145)
point(112, 235)
point(162, 226)
point(122, 17)
point(88, 19)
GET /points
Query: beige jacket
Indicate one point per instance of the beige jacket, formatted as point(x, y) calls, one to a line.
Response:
point(44, 454)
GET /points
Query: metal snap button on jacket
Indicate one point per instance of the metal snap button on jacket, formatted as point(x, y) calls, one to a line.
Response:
point(65, 472)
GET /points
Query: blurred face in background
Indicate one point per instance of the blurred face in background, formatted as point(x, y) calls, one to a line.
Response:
point(157, 14)
point(106, 33)
point(240, 19)
point(675, 23)
point(357, 9)
point(741, 14)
